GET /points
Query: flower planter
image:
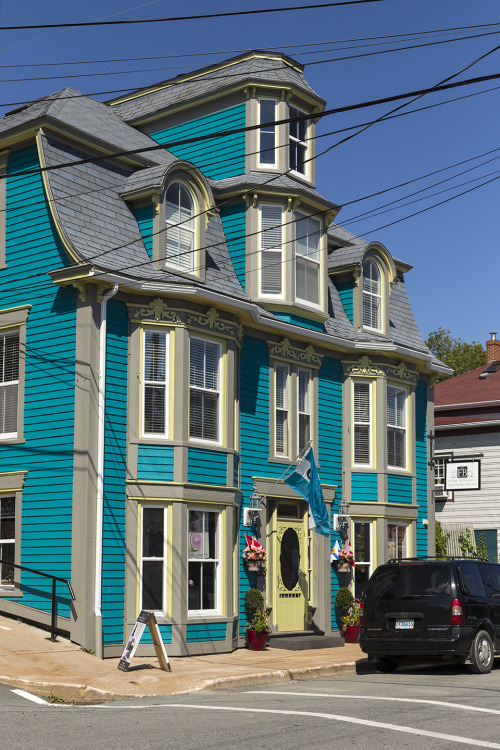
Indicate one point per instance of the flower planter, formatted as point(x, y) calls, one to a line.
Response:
point(343, 568)
point(351, 633)
point(253, 566)
point(257, 640)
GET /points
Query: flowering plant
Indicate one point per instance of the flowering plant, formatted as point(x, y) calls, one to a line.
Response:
point(352, 615)
point(255, 555)
point(260, 622)
point(346, 557)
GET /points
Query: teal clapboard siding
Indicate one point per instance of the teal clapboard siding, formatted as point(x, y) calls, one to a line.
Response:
point(165, 632)
point(32, 246)
point(399, 489)
point(210, 631)
point(298, 320)
point(113, 551)
point(329, 456)
point(421, 467)
point(155, 463)
point(364, 487)
point(345, 290)
point(234, 223)
point(144, 216)
point(217, 157)
point(207, 467)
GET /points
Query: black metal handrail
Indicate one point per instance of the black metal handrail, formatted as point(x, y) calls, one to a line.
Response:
point(54, 581)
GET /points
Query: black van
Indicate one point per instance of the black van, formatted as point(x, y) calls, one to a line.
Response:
point(427, 607)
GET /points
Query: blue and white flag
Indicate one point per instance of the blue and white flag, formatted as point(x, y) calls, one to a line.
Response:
point(305, 481)
point(335, 551)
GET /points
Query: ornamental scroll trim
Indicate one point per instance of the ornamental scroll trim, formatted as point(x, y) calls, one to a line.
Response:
point(157, 309)
point(212, 320)
point(286, 350)
point(365, 367)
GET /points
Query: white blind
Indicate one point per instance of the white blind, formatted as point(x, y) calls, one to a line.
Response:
point(371, 295)
point(179, 240)
point(396, 426)
point(362, 425)
point(9, 383)
point(155, 383)
point(281, 418)
point(204, 389)
point(271, 243)
point(307, 280)
point(304, 380)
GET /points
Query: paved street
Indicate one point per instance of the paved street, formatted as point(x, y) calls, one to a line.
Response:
point(436, 707)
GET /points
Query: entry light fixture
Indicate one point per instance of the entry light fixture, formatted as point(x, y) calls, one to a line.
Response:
point(341, 520)
point(253, 509)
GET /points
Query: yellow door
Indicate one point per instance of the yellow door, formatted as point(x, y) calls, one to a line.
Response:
point(290, 574)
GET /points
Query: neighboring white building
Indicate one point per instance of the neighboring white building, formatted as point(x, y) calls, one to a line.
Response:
point(467, 424)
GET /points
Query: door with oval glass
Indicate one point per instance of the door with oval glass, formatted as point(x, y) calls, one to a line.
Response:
point(290, 567)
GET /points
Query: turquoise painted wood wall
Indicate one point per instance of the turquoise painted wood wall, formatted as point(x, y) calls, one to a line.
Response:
point(345, 290)
point(399, 489)
point(298, 320)
point(217, 157)
point(206, 631)
point(155, 463)
point(165, 632)
point(207, 467)
point(234, 224)
point(364, 487)
point(33, 247)
point(144, 216)
point(113, 552)
point(421, 467)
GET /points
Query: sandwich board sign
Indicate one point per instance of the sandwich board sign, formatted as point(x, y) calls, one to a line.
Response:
point(145, 618)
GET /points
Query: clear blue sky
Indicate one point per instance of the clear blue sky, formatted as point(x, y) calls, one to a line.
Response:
point(454, 247)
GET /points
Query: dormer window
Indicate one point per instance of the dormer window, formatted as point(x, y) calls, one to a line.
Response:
point(372, 295)
point(307, 258)
point(298, 142)
point(180, 227)
point(267, 133)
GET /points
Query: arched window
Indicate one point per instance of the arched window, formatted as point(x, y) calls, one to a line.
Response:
point(180, 232)
point(372, 295)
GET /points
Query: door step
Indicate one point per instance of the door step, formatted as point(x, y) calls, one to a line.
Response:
point(304, 640)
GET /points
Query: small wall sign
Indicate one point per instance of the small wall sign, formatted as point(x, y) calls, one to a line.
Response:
point(145, 618)
point(463, 475)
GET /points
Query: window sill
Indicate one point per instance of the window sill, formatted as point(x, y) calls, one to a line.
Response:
point(12, 440)
point(5, 592)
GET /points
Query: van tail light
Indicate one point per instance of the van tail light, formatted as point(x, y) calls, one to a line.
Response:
point(457, 612)
point(361, 614)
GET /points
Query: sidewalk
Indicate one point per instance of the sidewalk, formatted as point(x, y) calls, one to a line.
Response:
point(31, 661)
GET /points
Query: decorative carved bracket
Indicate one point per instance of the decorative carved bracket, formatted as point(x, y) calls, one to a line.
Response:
point(285, 350)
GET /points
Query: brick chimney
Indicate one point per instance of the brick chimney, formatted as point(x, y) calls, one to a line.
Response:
point(492, 348)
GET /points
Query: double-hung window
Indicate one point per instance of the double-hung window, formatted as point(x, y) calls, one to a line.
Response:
point(396, 426)
point(180, 227)
point(307, 258)
point(203, 561)
point(298, 142)
point(9, 383)
point(282, 385)
point(271, 250)
point(267, 133)
point(304, 404)
point(204, 390)
point(153, 558)
point(155, 380)
point(7, 540)
point(362, 423)
point(372, 295)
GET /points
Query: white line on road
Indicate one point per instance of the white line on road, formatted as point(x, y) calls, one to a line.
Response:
point(461, 706)
point(31, 697)
point(4, 627)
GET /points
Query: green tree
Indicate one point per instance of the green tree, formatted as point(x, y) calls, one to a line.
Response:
point(457, 354)
point(441, 541)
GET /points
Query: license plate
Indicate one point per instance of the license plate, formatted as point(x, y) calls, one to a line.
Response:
point(404, 624)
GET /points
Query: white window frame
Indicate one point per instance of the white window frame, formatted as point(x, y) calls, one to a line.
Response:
point(306, 411)
point(7, 541)
point(155, 383)
point(276, 249)
point(295, 140)
point(266, 130)
point(372, 297)
point(162, 559)
point(186, 225)
point(284, 409)
point(359, 423)
point(5, 385)
point(217, 610)
point(370, 562)
point(404, 551)
point(402, 429)
point(307, 259)
point(217, 391)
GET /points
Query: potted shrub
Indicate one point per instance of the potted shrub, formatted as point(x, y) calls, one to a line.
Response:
point(258, 630)
point(254, 600)
point(343, 602)
point(254, 558)
point(350, 623)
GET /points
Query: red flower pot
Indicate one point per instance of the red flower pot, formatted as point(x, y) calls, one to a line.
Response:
point(351, 633)
point(256, 641)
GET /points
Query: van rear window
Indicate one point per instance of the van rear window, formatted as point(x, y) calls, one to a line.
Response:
point(410, 582)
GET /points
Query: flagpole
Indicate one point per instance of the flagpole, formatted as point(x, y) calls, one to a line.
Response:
point(296, 460)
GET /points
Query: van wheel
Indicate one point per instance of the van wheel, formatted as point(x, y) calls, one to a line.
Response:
point(481, 653)
point(386, 664)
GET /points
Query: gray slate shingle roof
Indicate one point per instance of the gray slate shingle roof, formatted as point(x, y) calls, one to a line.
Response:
point(269, 181)
point(185, 88)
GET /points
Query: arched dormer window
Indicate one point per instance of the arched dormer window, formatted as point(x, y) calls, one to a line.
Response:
point(372, 295)
point(180, 227)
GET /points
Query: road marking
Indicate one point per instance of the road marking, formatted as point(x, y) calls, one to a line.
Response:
point(461, 706)
point(4, 627)
point(31, 697)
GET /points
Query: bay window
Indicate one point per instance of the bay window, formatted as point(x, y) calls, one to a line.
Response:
point(307, 258)
point(204, 390)
point(153, 558)
point(9, 383)
point(271, 250)
point(396, 426)
point(203, 561)
point(267, 133)
point(298, 142)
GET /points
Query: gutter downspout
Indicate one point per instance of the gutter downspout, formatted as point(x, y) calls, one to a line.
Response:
point(101, 402)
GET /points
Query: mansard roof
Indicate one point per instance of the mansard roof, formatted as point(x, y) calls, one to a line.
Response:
point(271, 183)
point(255, 67)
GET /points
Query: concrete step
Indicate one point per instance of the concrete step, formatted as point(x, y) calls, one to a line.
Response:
point(304, 640)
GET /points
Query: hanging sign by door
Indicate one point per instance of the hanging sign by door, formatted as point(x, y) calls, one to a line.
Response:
point(145, 618)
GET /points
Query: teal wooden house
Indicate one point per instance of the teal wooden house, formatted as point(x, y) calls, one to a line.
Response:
point(180, 317)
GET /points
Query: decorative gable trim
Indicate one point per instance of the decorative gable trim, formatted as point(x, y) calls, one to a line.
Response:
point(289, 352)
point(364, 367)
